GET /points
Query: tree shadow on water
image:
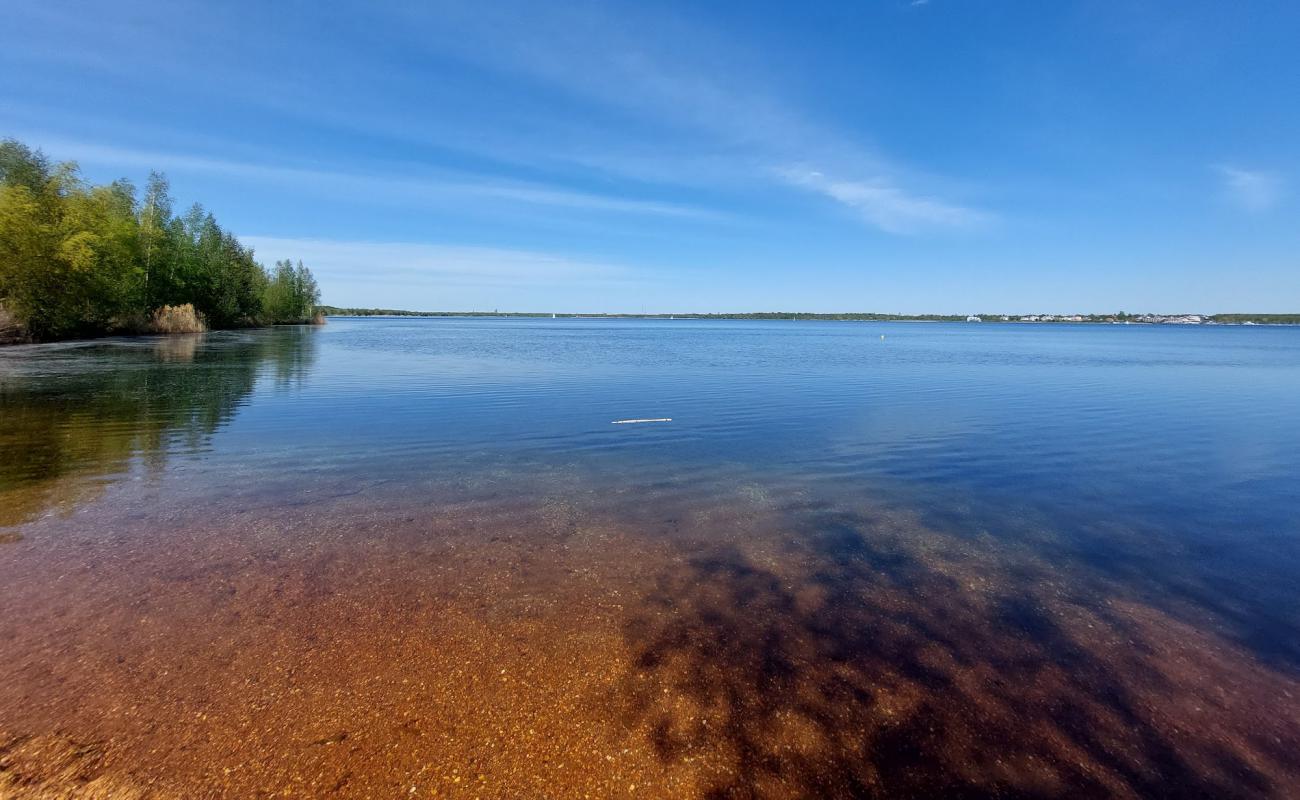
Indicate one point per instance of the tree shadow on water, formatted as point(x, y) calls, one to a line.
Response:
point(855, 663)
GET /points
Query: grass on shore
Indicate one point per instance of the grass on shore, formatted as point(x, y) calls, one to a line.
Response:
point(177, 319)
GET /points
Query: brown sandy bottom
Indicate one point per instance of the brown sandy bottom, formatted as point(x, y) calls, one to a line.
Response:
point(574, 644)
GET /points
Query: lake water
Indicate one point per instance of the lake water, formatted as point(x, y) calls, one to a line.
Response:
point(414, 556)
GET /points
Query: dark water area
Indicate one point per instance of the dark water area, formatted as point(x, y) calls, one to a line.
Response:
point(861, 560)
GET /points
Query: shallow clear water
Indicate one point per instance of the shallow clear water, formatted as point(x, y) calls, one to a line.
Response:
point(884, 473)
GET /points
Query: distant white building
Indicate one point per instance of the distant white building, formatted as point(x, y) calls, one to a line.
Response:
point(974, 319)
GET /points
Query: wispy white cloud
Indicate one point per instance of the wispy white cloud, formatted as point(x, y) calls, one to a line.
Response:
point(1252, 190)
point(700, 92)
point(449, 186)
point(887, 206)
point(653, 97)
point(415, 263)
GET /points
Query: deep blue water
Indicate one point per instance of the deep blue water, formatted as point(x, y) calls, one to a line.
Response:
point(1194, 432)
point(1188, 435)
point(1190, 430)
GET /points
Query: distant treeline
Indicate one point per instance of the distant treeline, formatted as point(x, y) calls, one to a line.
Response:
point(334, 311)
point(1225, 319)
point(1260, 319)
point(83, 260)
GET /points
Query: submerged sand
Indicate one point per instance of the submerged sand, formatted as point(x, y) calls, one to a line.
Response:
point(572, 644)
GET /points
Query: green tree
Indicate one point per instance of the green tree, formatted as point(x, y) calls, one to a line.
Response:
point(65, 250)
point(291, 294)
point(22, 166)
point(154, 220)
point(79, 260)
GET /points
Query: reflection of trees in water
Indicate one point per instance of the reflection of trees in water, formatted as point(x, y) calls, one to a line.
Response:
point(872, 659)
point(64, 435)
point(293, 357)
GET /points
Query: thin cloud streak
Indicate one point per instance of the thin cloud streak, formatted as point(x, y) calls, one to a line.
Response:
point(886, 206)
point(348, 184)
point(708, 113)
point(642, 69)
point(440, 264)
point(1251, 190)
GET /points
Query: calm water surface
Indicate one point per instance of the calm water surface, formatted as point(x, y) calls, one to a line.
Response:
point(897, 559)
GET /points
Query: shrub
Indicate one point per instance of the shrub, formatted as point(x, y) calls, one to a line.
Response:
point(11, 328)
point(177, 319)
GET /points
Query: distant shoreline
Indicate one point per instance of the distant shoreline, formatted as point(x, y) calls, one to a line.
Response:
point(1096, 319)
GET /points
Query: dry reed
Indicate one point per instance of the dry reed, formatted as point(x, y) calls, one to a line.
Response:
point(177, 319)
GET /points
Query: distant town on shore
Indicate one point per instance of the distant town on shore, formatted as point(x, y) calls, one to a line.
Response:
point(1119, 318)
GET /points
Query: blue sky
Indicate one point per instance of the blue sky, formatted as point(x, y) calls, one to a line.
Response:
point(896, 156)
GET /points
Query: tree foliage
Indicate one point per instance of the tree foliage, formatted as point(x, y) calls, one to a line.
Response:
point(292, 294)
point(80, 260)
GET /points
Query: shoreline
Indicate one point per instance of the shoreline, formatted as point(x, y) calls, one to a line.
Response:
point(14, 342)
point(127, 334)
point(1249, 319)
point(729, 318)
point(7, 343)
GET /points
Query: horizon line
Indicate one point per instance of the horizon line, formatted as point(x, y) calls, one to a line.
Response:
point(378, 311)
